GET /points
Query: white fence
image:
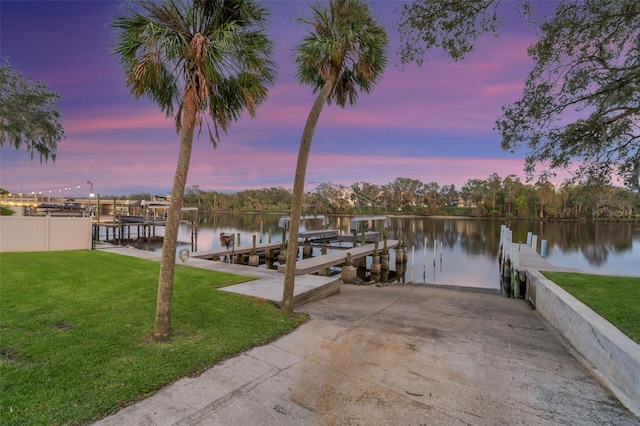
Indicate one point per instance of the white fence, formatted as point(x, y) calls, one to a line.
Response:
point(38, 233)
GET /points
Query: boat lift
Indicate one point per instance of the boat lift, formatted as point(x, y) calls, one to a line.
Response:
point(284, 220)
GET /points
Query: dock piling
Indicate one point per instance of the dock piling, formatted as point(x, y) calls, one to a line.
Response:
point(435, 250)
point(424, 261)
point(254, 259)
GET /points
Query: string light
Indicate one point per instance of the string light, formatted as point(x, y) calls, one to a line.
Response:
point(27, 198)
point(57, 189)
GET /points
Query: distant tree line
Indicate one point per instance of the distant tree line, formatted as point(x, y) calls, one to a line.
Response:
point(491, 197)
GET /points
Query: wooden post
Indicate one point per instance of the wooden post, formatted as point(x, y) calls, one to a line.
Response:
point(282, 255)
point(349, 272)
point(384, 276)
point(375, 265)
point(324, 272)
point(399, 254)
point(384, 262)
point(192, 236)
point(362, 267)
point(195, 231)
point(515, 282)
point(401, 272)
point(254, 259)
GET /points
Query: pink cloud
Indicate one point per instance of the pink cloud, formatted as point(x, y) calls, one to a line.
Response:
point(143, 120)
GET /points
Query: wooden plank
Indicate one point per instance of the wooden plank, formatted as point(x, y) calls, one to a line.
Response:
point(232, 251)
point(530, 259)
point(369, 237)
point(320, 234)
point(315, 264)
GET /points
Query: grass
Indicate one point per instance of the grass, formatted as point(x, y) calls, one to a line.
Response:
point(458, 211)
point(617, 299)
point(75, 332)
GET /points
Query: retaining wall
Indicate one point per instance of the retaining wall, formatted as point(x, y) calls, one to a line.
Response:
point(610, 354)
point(44, 233)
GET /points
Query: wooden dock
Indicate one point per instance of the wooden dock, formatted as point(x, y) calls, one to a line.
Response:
point(216, 254)
point(318, 263)
point(121, 231)
point(369, 237)
point(529, 259)
point(319, 235)
point(516, 259)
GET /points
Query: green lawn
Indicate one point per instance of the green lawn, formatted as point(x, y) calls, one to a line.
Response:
point(617, 299)
point(75, 332)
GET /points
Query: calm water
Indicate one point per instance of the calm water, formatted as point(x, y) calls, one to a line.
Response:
point(466, 249)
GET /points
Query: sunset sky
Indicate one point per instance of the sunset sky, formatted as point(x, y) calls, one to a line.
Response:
point(433, 124)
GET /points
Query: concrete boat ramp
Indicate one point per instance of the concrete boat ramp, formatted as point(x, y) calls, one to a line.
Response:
point(395, 355)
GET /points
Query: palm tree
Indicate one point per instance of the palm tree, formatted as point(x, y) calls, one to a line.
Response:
point(345, 52)
point(198, 60)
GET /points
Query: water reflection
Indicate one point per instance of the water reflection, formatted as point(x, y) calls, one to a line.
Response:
point(466, 249)
point(608, 248)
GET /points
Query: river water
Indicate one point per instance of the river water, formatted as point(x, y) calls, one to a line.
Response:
point(466, 250)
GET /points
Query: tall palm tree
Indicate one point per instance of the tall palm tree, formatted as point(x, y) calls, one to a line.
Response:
point(344, 53)
point(200, 59)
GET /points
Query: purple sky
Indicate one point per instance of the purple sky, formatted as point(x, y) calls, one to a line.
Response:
point(433, 124)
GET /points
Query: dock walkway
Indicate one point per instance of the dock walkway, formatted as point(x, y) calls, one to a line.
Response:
point(211, 254)
point(315, 264)
point(319, 235)
point(529, 259)
point(267, 284)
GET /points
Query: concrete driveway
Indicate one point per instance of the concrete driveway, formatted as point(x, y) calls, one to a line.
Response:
point(397, 355)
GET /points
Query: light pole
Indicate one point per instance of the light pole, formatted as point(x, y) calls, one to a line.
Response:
point(91, 195)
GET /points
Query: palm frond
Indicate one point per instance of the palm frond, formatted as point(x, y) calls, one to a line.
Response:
point(345, 43)
point(166, 48)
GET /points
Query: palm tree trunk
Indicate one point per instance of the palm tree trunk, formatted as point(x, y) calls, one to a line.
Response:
point(162, 327)
point(298, 194)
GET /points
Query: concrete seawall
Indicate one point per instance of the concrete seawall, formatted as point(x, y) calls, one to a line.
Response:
point(612, 356)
